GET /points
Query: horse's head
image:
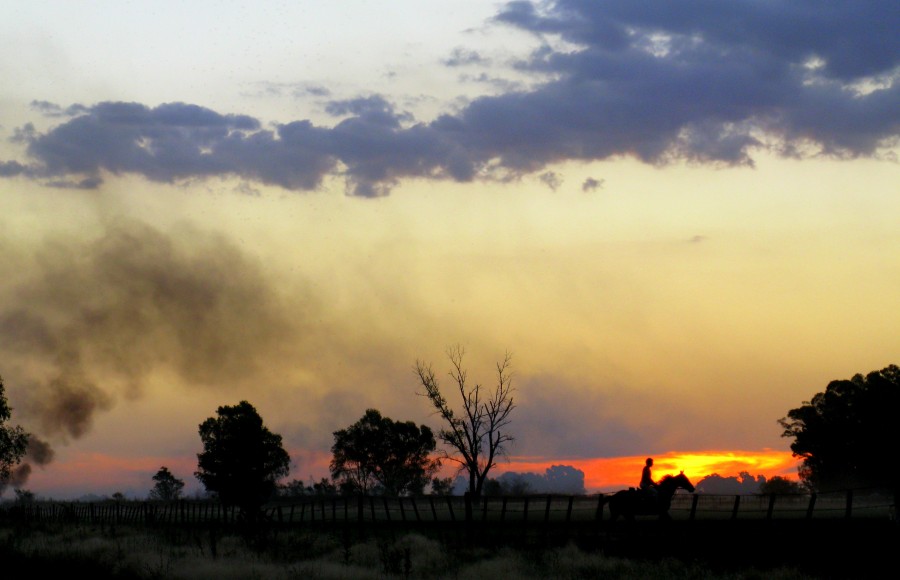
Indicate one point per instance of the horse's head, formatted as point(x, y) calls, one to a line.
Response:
point(673, 482)
point(684, 483)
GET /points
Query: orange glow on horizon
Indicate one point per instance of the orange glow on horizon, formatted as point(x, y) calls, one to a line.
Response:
point(611, 473)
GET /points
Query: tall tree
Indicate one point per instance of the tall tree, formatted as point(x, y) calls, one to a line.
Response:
point(167, 486)
point(13, 440)
point(378, 454)
point(478, 433)
point(847, 435)
point(242, 460)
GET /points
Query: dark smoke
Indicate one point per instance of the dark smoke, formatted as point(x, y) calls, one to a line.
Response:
point(39, 453)
point(94, 319)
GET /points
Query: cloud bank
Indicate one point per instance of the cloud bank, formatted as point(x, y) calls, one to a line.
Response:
point(707, 82)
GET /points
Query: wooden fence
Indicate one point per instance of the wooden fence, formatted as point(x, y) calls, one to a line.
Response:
point(520, 510)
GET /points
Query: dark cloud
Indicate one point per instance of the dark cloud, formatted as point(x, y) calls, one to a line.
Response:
point(12, 168)
point(709, 82)
point(464, 57)
point(49, 109)
point(551, 179)
point(591, 184)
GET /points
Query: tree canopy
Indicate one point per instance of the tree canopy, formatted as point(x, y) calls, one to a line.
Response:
point(780, 486)
point(846, 435)
point(167, 486)
point(13, 439)
point(242, 460)
point(379, 455)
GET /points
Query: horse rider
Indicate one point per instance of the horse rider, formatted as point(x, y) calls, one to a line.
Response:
point(647, 485)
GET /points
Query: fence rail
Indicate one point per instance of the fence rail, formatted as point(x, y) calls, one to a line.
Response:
point(523, 510)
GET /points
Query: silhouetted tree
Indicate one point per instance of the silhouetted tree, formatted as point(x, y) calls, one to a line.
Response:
point(167, 486)
point(296, 488)
point(442, 486)
point(742, 484)
point(13, 440)
point(242, 460)
point(847, 435)
point(562, 479)
point(378, 454)
point(492, 486)
point(323, 487)
point(780, 485)
point(477, 434)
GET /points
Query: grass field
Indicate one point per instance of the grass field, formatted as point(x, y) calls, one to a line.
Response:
point(644, 550)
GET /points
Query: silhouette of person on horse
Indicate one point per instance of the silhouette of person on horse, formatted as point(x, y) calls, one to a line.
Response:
point(650, 497)
point(647, 485)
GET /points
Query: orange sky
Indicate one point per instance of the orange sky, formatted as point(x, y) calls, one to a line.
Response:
point(610, 473)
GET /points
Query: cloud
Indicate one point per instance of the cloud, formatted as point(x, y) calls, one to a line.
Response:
point(551, 179)
point(707, 83)
point(591, 184)
point(463, 57)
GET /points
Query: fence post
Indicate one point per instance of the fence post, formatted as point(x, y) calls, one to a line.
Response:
point(694, 501)
point(415, 508)
point(503, 509)
point(467, 498)
point(525, 510)
point(450, 507)
point(547, 509)
point(387, 512)
point(433, 510)
point(569, 509)
point(601, 499)
point(484, 502)
point(849, 510)
point(771, 506)
point(737, 504)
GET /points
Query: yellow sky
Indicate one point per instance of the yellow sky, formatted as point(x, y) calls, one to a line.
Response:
point(676, 249)
point(680, 313)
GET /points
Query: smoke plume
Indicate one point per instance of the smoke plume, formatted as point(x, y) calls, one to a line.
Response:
point(95, 318)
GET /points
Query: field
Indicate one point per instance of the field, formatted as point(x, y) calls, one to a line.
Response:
point(723, 548)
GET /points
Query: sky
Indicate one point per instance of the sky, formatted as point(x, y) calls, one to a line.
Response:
point(680, 219)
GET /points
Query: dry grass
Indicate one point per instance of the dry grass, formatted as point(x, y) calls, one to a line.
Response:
point(131, 552)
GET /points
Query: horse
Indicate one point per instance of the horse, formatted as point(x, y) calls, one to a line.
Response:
point(636, 502)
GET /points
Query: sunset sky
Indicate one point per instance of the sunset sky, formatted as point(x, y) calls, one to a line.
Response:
point(681, 218)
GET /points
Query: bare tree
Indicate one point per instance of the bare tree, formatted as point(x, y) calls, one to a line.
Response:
point(478, 433)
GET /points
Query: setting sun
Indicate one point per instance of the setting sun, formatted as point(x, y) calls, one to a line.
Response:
point(608, 474)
